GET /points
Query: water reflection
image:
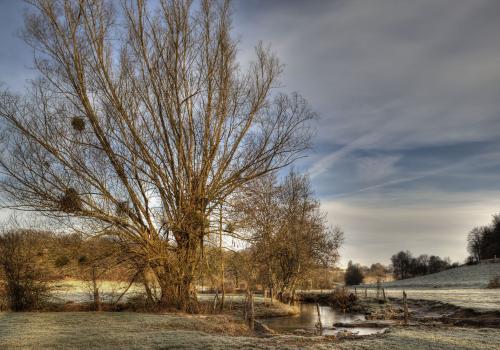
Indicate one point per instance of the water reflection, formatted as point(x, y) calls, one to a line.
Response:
point(308, 317)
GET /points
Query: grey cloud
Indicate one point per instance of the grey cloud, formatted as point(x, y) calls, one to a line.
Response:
point(433, 62)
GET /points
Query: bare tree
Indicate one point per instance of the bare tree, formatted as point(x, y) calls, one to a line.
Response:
point(143, 122)
point(289, 232)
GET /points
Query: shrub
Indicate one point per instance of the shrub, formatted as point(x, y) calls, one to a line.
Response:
point(353, 275)
point(82, 259)
point(494, 283)
point(20, 264)
point(342, 299)
point(61, 261)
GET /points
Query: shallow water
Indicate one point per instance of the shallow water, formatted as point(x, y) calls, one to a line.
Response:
point(308, 317)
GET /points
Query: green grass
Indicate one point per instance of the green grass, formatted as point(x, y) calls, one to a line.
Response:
point(87, 330)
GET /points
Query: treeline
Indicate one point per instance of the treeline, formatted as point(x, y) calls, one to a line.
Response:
point(404, 265)
point(484, 242)
point(356, 274)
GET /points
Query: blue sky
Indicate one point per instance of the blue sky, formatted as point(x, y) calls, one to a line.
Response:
point(407, 149)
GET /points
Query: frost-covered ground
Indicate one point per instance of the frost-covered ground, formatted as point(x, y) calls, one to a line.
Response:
point(478, 299)
point(473, 276)
point(77, 291)
point(108, 330)
point(464, 286)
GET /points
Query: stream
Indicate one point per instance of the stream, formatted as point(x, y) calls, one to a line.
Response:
point(308, 317)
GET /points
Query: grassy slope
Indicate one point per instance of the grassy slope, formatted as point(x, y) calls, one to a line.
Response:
point(474, 276)
point(153, 331)
point(462, 286)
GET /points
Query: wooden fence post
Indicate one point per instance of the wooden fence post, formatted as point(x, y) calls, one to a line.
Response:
point(320, 325)
point(366, 293)
point(245, 308)
point(383, 293)
point(405, 308)
point(216, 298)
point(252, 317)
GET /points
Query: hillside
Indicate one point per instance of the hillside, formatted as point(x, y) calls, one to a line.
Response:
point(472, 276)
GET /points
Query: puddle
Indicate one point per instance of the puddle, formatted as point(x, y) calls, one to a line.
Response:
point(308, 317)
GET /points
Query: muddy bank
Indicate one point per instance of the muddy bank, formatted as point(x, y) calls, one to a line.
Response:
point(425, 311)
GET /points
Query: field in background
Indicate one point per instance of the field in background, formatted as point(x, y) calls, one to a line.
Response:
point(463, 286)
point(477, 299)
point(77, 291)
point(467, 276)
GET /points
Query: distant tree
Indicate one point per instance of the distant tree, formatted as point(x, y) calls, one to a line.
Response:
point(475, 242)
point(420, 265)
point(436, 264)
point(406, 266)
point(484, 242)
point(401, 263)
point(378, 270)
point(353, 275)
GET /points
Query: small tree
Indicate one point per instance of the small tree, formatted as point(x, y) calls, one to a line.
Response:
point(474, 243)
point(22, 269)
point(353, 275)
point(289, 232)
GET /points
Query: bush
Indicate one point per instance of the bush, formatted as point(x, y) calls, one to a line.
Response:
point(61, 261)
point(353, 275)
point(21, 267)
point(494, 283)
point(342, 299)
point(82, 260)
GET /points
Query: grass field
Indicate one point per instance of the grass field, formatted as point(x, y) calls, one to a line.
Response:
point(477, 299)
point(87, 330)
point(473, 276)
point(129, 330)
point(464, 286)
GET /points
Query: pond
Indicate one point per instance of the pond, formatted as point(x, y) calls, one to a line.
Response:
point(308, 317)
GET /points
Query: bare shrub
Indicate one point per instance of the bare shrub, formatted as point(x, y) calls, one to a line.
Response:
point(26, 287)
point(494, 283)
point(342, 299)
point(353, 275)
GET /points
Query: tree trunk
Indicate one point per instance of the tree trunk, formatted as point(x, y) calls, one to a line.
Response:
point(223, 289)
point(97, 299)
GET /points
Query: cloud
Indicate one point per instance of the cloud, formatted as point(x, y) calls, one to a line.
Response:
point(387, 74)
point(379, 225)
point(377, 169)
point(407, 148)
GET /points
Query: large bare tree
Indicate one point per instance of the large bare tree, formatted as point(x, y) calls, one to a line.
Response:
point(142, 122)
